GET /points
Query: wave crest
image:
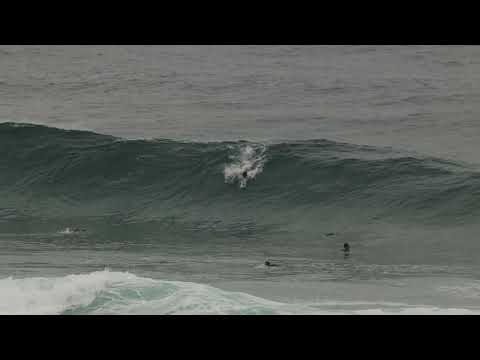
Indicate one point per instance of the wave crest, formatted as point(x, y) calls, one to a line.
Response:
point(48, 172)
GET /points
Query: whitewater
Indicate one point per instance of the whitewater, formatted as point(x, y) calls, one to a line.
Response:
point(106, 292)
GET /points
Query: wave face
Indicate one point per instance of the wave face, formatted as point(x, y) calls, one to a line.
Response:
point(235, 189)
point(105, 292)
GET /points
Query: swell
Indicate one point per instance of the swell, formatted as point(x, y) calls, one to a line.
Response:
point(53, 173)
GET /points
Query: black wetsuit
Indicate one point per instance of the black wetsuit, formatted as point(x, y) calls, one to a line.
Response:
point(268, 263)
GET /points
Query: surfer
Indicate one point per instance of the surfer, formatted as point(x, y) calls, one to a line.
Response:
point(268, 263)
point(245, 174)
point(346, 249)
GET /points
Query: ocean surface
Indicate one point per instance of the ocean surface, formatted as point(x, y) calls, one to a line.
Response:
point(122, 187)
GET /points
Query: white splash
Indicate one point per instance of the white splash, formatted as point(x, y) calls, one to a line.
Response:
point(53, 295)
point(66, 231)
point(247, 159)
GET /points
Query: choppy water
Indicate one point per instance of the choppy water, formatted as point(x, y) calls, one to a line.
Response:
point(181, 169)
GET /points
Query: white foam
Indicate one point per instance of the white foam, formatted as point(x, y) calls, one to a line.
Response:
point(121, 293)
point(250, 158)
point(53, 295)
point(106, 292)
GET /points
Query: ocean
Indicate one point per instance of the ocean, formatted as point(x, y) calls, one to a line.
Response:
point(159, 179)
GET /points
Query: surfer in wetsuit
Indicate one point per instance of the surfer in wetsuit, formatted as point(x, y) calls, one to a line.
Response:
point(245, 174)
point(268, 263)
point(346, 249)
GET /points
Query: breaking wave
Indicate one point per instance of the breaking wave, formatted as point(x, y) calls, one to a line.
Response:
point(106, 292)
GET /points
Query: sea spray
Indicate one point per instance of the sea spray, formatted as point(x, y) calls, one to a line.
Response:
point(246, 159)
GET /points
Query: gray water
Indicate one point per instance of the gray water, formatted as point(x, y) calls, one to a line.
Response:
point(423, 98)
point(415, 102)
